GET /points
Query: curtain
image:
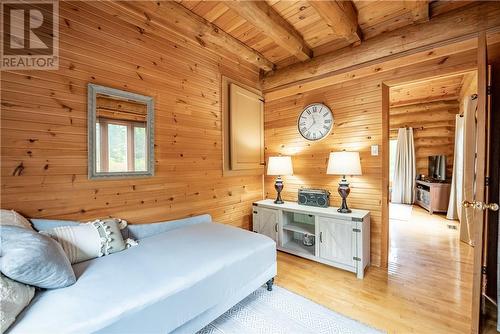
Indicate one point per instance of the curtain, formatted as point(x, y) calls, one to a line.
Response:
point(403, 183)
point(455, 203)
point(469, 181)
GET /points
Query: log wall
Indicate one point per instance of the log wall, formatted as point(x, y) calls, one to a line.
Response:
point(433, 126)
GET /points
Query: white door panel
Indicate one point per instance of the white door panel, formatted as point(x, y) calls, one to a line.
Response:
point(337, 241)
point(268, 223)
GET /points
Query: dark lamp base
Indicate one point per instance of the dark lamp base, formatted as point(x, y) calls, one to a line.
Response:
point(344, 210)
point(344, 191)
point(278, 185)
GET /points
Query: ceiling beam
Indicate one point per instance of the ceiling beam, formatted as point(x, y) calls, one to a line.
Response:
point(437, 55)
point(419, 10)
point(178, 19)
point(341, 17)
point(441, 7)
point(444, 29)
point(271, 24)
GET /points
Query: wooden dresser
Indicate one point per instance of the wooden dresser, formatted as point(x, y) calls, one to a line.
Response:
point(432, 196)
point(337, 239)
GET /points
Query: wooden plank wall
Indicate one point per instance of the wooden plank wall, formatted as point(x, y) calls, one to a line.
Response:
point(357, 109)
point(434, 130)
point(44, 115)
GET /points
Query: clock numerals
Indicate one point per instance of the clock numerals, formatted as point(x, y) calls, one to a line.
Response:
point(315, 122)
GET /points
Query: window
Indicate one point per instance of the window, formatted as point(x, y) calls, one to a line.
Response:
point(121, 146)
point(393, 143)
point(140, 148)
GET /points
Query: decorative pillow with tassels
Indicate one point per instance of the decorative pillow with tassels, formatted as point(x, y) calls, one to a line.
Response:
point(90, 240)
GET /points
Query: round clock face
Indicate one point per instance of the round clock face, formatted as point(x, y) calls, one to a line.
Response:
point(315, 122)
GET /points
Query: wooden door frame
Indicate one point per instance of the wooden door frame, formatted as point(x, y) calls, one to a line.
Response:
point(384, 253)
point(385, 88)
point(492, 221)
point(482, 77)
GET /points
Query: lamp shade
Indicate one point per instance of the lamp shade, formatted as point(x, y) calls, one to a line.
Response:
point(279, 166)
point(344, 163)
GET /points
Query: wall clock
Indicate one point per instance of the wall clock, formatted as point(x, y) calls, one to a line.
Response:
point(315, 122)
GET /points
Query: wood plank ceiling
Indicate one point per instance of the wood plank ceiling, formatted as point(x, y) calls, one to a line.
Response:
point(288, 32)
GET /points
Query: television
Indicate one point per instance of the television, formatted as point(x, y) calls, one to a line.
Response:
point(437, 167)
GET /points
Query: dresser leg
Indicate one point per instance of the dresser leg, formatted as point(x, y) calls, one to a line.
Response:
point(270, 284)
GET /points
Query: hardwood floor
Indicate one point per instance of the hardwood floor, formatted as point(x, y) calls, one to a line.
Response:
point(426, 289)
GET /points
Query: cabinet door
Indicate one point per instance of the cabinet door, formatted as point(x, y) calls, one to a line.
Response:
point(337, 241)
point(268, 223)
point(246, 134)
point(255, 219)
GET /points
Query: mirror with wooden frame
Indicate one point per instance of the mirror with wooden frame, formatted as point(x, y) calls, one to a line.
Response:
point(120, 133)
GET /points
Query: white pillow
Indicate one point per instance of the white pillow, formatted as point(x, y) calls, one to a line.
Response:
point(11, 217)
point(90, 240)
point(14, 297)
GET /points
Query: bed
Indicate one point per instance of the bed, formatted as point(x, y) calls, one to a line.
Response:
point(181, 276)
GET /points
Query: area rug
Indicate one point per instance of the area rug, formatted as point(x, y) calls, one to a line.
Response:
point(400, 211)
point(281, 311)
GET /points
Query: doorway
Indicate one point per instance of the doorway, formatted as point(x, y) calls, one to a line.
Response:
point(426, 147)
point(476, 201)
point(425, 124)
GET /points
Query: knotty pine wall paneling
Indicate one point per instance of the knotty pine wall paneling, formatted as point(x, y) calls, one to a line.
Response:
point(357, 110)
point(44, 115)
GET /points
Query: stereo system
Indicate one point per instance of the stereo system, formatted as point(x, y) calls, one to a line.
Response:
point(314, 197)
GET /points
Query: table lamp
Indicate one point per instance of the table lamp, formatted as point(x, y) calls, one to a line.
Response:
point(344, 163)
point(279, 166)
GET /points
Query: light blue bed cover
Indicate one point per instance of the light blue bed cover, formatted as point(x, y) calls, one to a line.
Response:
point(182, 275)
